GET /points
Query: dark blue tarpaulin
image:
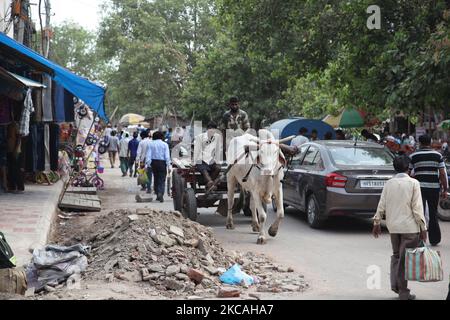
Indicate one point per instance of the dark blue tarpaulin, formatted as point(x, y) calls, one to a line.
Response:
point(92, 94)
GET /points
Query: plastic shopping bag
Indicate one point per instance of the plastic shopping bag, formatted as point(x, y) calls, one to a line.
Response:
point(143, 179)
point(235, 276)
point(423, 265)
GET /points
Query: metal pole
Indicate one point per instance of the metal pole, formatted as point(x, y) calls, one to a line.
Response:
point(46, 48)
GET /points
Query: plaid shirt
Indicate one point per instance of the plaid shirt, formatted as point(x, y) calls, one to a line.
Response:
point(235, 122)
point(24, 128)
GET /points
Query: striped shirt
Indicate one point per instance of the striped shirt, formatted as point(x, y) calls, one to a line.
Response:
point(426, 164)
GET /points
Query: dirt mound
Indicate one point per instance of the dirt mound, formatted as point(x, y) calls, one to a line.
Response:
point(174, 255)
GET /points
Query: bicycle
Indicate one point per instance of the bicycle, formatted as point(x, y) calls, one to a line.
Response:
point(87, 179)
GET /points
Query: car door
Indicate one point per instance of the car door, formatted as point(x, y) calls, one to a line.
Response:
point(305, 175)
point(290, 176)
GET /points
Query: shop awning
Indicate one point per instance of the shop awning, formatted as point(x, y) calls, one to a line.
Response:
point(91, 93)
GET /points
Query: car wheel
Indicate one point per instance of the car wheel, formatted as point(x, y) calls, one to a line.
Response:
point(313, 213)
point(444, 210)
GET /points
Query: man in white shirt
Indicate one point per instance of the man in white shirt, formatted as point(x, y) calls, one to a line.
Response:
point(141, 158)
point(108, 130)
point(301, 139)
point(208, 154)
point(123, 153)
point(401, 204)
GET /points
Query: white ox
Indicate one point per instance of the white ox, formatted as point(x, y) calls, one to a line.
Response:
point(260, 172)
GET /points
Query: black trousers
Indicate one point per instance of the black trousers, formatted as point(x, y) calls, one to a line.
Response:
point(159, 169)
point(431, 196)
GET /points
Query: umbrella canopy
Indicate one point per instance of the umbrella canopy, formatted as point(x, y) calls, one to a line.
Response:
point(348, 118)
point(444, 125)
point(131, 119)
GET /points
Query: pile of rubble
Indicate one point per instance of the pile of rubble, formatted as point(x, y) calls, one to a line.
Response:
point(176, 256)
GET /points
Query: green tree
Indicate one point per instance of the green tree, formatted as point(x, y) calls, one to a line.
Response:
point(75, 48)
point(154, 46)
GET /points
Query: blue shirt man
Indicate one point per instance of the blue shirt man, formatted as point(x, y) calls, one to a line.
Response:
point(133, 146)
point(158, 159)
point(158, 150)
point(132, 154)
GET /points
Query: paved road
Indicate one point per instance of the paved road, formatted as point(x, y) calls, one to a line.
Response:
point(333, 260)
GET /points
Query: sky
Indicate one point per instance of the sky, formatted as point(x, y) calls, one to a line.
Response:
point(84, 12)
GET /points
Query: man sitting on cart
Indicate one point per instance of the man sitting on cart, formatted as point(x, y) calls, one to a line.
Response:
point(208, 154)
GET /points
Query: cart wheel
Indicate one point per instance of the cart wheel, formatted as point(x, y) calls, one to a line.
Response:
point(190, 204)
point(177, 191)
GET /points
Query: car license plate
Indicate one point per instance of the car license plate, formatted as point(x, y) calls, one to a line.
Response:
point(373, 184)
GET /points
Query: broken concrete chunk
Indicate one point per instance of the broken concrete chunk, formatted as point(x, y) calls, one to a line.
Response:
point(211, 270)
point(209, 259)
point(155, 268)
point(175, 285)
point(133, 217)
point(172, 270)
point(191, 243)
point(290, 287)
point(145, 273)
point(164, 240)
point(110, 264)
point(141, 198)
point(177, 214)
point(282, 269)
point(184, 268)
point(255, 295)
point(176, 231)
point(201, 247)
point(182, 276)
point(143, 211)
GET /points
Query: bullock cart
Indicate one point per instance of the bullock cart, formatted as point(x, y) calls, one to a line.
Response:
point(189, 192)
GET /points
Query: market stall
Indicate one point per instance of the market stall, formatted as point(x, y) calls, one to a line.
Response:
point(38, 110)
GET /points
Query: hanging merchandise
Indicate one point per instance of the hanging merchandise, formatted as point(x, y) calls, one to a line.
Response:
point(69, 106)
point(79, 152)
point(80, 108)
point(91, 140)
point(103, 147)
point(54, 146)
point(37, 104)
point(58, 99)
point(47, 115)
point(28, 109)
point(47, 147)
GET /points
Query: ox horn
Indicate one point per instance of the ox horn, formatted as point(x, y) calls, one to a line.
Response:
point(286, 139)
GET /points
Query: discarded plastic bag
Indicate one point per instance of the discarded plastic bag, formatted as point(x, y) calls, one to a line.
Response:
point(235, 276)
point(55, 264)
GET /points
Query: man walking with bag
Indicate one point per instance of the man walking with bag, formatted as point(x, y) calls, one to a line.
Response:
point(429, 170)
point(158, 159)
point(401, 204)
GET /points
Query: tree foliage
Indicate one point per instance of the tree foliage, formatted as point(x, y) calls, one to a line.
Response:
point(281, 57)
point(154, 46)
point(74, 48)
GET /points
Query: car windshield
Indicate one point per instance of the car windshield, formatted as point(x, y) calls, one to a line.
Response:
point(357, 156)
